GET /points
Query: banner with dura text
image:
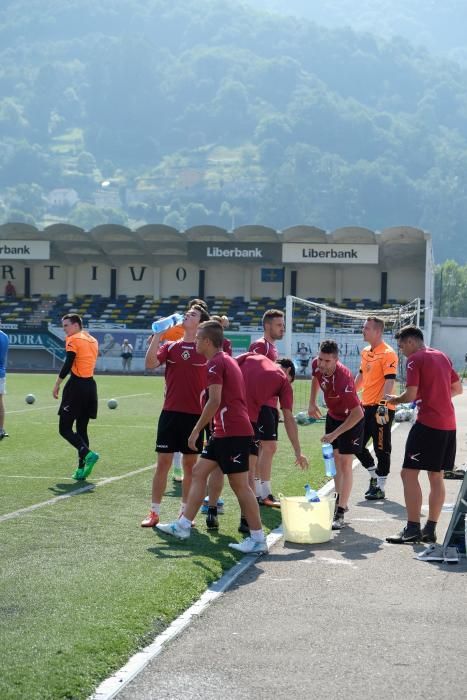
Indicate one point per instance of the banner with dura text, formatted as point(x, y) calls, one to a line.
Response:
point(326, 253)
point(24, 250)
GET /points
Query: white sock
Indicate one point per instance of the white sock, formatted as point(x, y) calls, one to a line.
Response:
point(177, 460)
point(156, 508)
point(372, 472)
point(258, 488)
point(184, 522)
point(381, 482)
point(257, 535)
point(265, 489)
point(182, 508)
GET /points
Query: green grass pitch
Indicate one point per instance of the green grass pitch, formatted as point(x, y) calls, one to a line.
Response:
point(82, 585)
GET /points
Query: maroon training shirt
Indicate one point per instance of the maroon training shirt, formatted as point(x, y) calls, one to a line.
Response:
point(432, 372)
point(264, 380)
point(185, 376)
point(231, 418)
point(339, 390)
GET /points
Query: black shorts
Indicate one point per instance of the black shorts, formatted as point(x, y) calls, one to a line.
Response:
point(230, 453)
point(350, 442)
point(254, 446)
point(79, 398)
point(267, 423)
point(429, 449)
point(174, 429)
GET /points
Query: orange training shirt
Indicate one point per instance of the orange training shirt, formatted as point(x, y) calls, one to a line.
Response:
point(174, 333)
point(376, 365)
point(86, 348)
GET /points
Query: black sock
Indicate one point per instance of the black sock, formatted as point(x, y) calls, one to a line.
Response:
point(412, 525)
point(212, 510)
point(340, 511)
point(430, 527)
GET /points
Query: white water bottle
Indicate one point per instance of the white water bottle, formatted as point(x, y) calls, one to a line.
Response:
point(164, 323)
point(328, 456)
point(310, 494)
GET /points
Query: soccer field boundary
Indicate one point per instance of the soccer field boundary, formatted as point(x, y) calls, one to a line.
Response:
point(57, 404)
point(112, 685)
point(84, 489)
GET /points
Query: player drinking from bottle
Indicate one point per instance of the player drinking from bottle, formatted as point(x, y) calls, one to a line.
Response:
point(185, 377)
point(228, 446)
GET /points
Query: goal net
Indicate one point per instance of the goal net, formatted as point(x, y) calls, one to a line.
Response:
point(308, 323)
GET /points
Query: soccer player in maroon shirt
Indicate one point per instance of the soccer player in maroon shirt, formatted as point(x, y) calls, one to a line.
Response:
point(344, 419)
point(431, 443)
point(268, 419)
point(229, 445)
point(265, 379)
point(185, 378)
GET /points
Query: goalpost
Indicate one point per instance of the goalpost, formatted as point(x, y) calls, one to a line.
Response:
point(308, 323)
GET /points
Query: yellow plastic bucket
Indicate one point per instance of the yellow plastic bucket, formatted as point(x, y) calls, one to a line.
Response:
point(307, 522)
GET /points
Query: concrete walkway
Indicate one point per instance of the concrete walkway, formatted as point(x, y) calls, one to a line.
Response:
point(351, 618)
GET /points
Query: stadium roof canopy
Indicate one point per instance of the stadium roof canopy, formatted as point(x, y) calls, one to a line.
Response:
point(114, 244)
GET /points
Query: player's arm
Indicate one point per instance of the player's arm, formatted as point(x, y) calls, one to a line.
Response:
point(359, 381)
point(409, 395)
point(354, 417)
point(209, 411)
point(313, 408)
point(292, 433)
point(456, 388)
point(389, 383)
point(151, 361)
point(64, 372)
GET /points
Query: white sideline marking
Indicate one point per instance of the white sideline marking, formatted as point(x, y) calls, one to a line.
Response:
point(33, 476)
point(57, 403)
point(109, 688)
point(84, 489)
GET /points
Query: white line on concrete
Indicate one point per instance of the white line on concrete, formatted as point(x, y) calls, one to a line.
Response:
point(76, 492)
point(109, 688)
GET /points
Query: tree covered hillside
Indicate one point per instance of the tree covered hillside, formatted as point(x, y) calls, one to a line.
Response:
point(213, 112)
point(439, 25)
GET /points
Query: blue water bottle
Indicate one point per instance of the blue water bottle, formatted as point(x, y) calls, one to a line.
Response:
point(328, 456)
point(310, 494)
point(164, 323)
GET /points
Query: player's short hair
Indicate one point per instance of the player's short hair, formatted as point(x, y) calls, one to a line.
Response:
point(329, 347)
point(377, 321)
point(198, 302)
point(270, 314)
point(73, 318)
point(221, 319)
point(286, 363)
point(214, 331)
point(203, 312)
point(409, 332)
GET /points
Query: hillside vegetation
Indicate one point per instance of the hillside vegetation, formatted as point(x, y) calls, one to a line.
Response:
point(214, 112)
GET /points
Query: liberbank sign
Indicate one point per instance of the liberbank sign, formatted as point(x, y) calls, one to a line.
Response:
point(24, 250)
point(326, 253)
point(235, 252)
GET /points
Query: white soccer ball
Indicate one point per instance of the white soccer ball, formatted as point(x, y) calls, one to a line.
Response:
point(302, 418)
point(30, 398)
point(112, 403)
